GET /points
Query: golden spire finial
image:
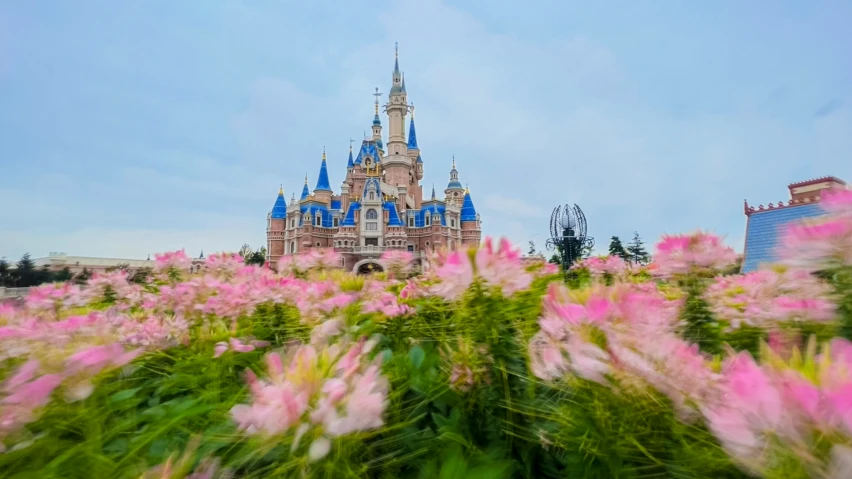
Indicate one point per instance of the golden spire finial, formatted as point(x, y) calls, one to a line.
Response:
point(281, 190)
point(306, 178)
point(466, 189)
point(323, 152)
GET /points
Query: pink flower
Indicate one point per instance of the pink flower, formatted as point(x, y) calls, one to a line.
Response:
point(174, 260)
point(455, 272)
point(387, 304)
point(818, 243)
point(688, 253)
point(837, 201)
point(604, 265)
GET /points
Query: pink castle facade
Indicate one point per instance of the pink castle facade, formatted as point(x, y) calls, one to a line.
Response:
point(381, 205)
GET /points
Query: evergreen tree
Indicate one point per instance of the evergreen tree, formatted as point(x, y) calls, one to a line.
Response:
point(246, 251)
point(140, 276)
point(4, 271)
point(26, 272)
point(82, 277)
point(617, 249)
point(636, 250)
point(63, 275)
point(43, 275)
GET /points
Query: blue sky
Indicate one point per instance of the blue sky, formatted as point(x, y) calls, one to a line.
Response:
point(128, 128)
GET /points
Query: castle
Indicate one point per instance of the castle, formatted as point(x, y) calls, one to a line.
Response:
point(381, 204)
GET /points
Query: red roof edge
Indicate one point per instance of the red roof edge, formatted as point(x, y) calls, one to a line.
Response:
point(760, 208)
point(814, 181)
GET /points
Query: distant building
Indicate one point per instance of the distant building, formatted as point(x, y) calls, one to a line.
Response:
point(381, 205)
point(76, 264)
point(765, 223)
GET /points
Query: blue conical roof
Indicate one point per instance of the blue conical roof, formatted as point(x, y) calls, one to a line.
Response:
point(322, 181)
point(279, 209)
point(433, 191)
point(412, 135)
point(468, 211)
point(350, 164)
point(305, 191)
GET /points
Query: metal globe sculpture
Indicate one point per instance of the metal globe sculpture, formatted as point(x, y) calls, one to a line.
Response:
point(569, 234)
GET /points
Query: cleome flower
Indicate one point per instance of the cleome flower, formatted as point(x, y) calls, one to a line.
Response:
point(698, 252)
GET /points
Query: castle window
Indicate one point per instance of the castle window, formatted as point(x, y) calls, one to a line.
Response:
point(292, 247)
point(411, 222)
point(453, 223)
point(411, 247)
point(372, 195)
point(428, 220)
point(318, 244)
point(319, 220)
point(334, 222)
point(427, 243)
point(372, 215)
point(292, 223)
point(372, 226)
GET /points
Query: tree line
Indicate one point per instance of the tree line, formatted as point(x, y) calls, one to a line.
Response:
point(634, 252)
point(24, 273)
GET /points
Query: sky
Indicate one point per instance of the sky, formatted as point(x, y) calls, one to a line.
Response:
point(130, 128)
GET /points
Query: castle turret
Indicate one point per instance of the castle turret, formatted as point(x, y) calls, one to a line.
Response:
point(275, 225)
point(470, 223)
point(279, 209)
point(322, 192)
point(305, 191)
point(397, 164)
point(454, 190)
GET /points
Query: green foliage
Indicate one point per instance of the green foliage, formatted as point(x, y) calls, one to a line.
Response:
point(701, 326)
point(617, 249)
point(636, 250)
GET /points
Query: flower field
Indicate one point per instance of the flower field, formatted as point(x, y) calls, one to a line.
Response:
point(482, 367)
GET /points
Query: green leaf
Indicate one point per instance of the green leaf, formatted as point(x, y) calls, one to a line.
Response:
point(123, 395)
point(416, 356)
point(454, 467)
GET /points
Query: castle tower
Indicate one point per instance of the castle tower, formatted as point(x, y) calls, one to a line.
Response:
point(322, 192)
point(305, 191)
point(397, 164)
point(455, 190)
point(470, 223)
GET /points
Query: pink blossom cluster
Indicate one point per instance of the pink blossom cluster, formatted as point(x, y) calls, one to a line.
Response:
point(387, 304)
point(224, 264)
point(684, 254)
point(799, 410)
point(68, 352)
point(397, 262)
point(469, 365)
point(171, 261)
point(238, 345)
point(824, 242)
point(599, 266)
point(313, 259)
point(50, 299)
point(624, 333)
point(322, 393)
point(498, 268)
point(767, 299)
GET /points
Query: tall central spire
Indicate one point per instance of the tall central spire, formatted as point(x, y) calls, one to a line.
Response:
point(396, 57)
point(322, 181)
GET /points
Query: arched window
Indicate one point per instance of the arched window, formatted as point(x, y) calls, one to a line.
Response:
point(319, 220)
point(292, 247)
point(372, 195)
point(371, 214)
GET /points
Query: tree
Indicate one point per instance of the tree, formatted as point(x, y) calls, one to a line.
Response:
point(636, 250)
point(140, 276)
point(82, 277)
point(531, 252)
point(246, 251)
point(63, 275)
point(617, 249)
point(43, 275)
point(26, 272)
point(4, 271)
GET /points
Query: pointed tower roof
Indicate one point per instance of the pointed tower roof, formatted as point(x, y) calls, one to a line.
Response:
point(433, 191)
point(305, 191)
point(403, 81)
point(350, 164)
point(396, 57)
point(322, 181)
point(376, 120)
point(454, 183)
point(412, 133)
point(468, 211)
point(397, 77)
point(279, 209)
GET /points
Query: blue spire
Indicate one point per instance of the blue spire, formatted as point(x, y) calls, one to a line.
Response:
point(412, 133)
point(376, 120)
point(468, 211)
point(279, 209)
point(433, 191)
point(351, 163)
point(396, 58)
point(403, 81)
point(305, 191)
point(322, 181)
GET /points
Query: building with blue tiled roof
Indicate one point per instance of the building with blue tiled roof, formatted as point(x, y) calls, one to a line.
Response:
point(381, 205)
point(764, 225)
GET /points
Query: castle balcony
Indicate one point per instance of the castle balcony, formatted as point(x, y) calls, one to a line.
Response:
point(374, 249)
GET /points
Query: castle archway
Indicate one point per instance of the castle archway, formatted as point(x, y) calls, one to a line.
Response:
point(368, 266)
